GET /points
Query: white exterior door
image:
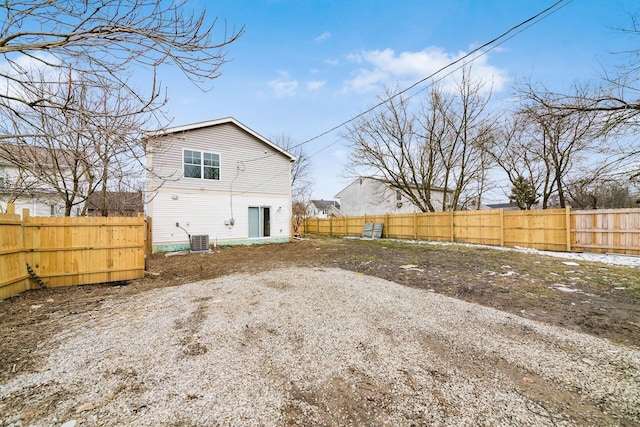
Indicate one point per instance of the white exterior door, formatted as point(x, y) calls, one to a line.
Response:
point(259, 221)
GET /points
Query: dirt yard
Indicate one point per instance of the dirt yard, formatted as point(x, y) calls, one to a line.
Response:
point(592, 298)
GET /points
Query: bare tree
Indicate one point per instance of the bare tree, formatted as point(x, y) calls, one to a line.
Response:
point(16, 182)
point(513, 151)
point(589, 193)
point(101, 40)
point(301, 167)
point(300, 208)
point(615, 101)
point(386, 147)
point(65, 94)
point(562, 141)
point(462, 153)
point(437, 148)
point(57, 153)
point(81, 148)
point(118, 156)
point(301, 182)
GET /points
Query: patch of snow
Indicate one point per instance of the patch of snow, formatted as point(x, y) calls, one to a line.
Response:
point(562, 288)
point(610, 259)
point(407, 266)
point(411, 267)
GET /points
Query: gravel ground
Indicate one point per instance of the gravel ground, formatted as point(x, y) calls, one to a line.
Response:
point(319, 347)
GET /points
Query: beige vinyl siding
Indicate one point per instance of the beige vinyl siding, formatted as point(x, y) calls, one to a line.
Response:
point(252, 174)
point(249, 164)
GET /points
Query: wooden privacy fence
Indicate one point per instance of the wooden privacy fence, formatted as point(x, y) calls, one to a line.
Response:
point(69, 251)
point(616, 231)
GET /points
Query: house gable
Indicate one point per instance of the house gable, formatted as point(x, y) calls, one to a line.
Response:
point(221, 179)
point(369, 196)
point(248, 161)
point(212, 123)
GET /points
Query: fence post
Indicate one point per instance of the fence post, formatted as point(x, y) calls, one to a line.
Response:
point(386, 225)
point(148, 236)
point(364, 223)
point(568, 226)
point(501, 227)
point(11, 208)
point(330, 226)
point(452, 230)
point(415, 226)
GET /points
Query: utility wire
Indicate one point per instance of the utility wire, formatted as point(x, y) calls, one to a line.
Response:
point(462, 58)
point(484, 52)
point(519, 28)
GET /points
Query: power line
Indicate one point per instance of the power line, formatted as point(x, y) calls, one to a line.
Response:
point(484, 52)
point(516, 29)
point(462, 58)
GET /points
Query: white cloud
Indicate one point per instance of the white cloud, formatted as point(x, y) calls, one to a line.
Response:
point(332, 62)
point(40, 67)
point(315, 85)
point(23, 64)
point(382, 67)
point(339, 154)
point(355, 57)
point(284, 86)
point(324, 36)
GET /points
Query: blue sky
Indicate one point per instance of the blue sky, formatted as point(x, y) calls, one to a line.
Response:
point(303, 67)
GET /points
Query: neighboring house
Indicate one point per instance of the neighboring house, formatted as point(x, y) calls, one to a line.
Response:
point(118, 203)
point(368, 196)
point(324, 209)
point(26, 190)
point(217, 178)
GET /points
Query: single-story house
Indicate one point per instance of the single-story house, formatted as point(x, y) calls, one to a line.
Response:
point(369, 196)
point(218, 179)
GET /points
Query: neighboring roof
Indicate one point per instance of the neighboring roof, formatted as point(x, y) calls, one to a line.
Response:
point(322, 204)
point(211, 123)
point(117, 201)
point(18, 155)
point(377, 180)
point(513, 206)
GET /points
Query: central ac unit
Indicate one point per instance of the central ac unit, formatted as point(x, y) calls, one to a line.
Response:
point(200, 243)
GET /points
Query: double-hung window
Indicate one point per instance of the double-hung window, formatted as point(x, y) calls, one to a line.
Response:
point(198, 164)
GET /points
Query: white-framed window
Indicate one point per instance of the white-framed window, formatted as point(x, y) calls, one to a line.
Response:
point(200, 164)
